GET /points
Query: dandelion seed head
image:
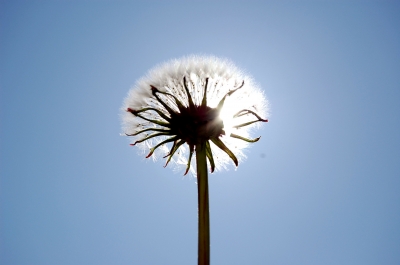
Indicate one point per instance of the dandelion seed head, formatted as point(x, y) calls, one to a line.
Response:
point(192, 99)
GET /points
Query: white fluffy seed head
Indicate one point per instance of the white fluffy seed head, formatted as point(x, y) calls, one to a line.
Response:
point(223, 76)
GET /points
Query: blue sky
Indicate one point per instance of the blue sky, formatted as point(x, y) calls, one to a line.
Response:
point(321, 187)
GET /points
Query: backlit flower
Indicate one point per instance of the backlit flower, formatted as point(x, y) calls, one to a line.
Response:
point(194, 100)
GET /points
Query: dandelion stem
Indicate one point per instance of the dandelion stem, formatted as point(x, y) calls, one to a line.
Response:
point(204, 217)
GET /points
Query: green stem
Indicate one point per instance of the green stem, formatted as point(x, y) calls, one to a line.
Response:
point(204, 217)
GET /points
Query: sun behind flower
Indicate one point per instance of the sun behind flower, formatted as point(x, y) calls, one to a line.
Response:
point(192, 100)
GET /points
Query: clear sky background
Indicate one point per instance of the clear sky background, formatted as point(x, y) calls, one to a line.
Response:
point(321, 187)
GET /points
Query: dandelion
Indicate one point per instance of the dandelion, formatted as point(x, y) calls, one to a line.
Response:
point(202, 107)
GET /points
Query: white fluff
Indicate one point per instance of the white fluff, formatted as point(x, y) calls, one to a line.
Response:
point(223, 76)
